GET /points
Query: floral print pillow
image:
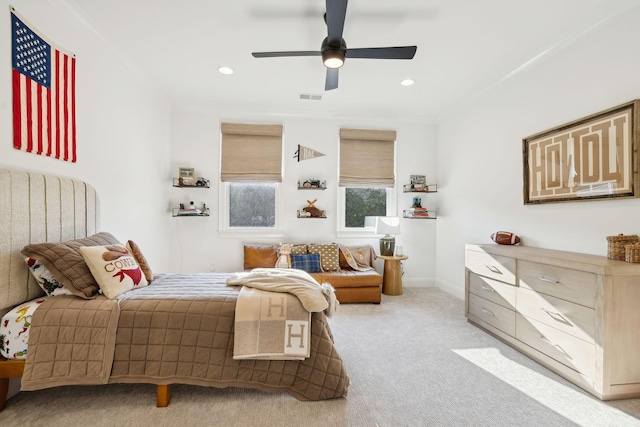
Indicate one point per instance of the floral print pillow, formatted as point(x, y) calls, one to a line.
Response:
point(45, 279)
point(14, 329)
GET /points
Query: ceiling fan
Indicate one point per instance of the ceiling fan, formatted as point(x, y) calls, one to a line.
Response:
point(334, 49)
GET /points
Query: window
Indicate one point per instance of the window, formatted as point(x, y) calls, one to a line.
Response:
point(361, 202)
point(367, 176)
point(251, 172)
point(252, 205)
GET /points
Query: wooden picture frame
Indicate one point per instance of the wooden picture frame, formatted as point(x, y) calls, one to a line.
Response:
point(186, 176)
point(587, 159)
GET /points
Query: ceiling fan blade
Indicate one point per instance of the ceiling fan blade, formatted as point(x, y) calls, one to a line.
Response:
point(399, 52)
point(332, 79)
point(291, 53)
point(336, 12)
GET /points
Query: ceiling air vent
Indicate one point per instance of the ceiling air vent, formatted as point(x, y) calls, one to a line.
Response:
point(310, 97)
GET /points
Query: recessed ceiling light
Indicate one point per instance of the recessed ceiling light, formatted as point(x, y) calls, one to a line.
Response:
point(225, 70)
point(407, 82)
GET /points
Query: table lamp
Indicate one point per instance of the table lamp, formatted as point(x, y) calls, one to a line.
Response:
point(390, 227)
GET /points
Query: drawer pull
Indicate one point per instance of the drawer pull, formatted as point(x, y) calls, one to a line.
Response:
point(489, 312)
point(544, 279)
point(556, 316)
point(546, 341)
point(550, 313)
point(488, 288)
point(493, 269)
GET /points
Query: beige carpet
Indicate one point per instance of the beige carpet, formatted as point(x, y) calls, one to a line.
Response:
point(413, 361)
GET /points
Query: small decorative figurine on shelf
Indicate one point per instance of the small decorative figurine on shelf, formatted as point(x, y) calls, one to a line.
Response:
point(311, 211)
point(313, 183)
point(202, 182)
point(417, 202)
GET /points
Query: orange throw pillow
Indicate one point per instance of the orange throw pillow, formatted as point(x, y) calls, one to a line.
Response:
point(140, 259)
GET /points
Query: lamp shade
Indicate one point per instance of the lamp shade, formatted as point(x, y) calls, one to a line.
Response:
point(387, 225)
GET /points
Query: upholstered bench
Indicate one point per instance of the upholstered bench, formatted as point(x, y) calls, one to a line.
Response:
point(352, 285)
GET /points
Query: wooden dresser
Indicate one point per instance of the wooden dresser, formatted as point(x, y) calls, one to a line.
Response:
point(576, 314)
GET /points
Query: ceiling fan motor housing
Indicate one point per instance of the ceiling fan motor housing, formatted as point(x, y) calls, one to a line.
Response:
point(333, 56)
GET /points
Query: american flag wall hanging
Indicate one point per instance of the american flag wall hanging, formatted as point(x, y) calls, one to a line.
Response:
point(44, 107)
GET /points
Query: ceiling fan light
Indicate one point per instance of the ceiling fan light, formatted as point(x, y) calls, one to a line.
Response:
point(333, 62)
point(333, 58)
point(407, 82)
point(225, 70)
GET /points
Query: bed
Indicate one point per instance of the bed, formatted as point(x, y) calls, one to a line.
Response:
point(178, 329)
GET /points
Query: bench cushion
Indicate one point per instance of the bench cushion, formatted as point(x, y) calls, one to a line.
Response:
point(347, 278)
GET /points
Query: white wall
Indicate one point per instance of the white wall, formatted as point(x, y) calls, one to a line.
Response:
point(480, 151)
point(195, 137)
point(122, 129)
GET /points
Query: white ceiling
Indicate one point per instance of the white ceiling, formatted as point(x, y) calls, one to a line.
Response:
point(464, 47)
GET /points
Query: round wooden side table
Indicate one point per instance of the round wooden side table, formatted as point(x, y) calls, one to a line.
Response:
point(392, 275)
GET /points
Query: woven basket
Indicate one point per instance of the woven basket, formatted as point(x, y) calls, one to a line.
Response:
point(616, 245)
point(632, 252)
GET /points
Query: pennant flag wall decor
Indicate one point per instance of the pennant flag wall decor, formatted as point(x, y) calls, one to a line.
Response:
point(44, 92)
point(304, 153)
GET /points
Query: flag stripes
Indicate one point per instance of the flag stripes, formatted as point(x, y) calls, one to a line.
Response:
point(43, 80)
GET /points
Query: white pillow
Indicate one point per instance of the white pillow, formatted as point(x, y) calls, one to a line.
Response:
point(114, 268)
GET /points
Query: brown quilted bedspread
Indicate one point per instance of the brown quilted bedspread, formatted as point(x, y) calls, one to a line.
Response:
point(177, 330)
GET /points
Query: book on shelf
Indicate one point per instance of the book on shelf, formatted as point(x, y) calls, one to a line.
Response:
point(189, 212)
point(417, 212)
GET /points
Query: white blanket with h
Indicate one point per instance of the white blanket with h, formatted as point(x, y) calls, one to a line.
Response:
point(271, 325)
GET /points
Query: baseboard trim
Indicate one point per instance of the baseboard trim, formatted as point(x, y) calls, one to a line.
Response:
point(418, 283)
point(456, 291)
point(421, 282)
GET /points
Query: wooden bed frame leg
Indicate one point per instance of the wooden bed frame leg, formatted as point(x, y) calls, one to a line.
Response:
point(163, 394)
point(8, 369)
point(4, 389)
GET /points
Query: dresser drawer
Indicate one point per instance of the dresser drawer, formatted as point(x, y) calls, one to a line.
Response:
point(566, 349)
point(571, 285)
point(573, 319)
point(496, 315)
point(493, 290)
point(494, 266)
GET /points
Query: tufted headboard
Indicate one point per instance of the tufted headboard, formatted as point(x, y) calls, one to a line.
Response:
point(38, 208)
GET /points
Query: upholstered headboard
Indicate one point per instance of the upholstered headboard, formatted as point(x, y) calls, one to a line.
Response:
point(38, 208)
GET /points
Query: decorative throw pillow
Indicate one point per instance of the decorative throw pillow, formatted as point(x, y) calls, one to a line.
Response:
point(14, 329)
point(64, 261)
point(260, 256)
point(45, 279)
point(309, 263)
point(343, 253)
point(134, 249)
point(114, 268)
point(298, 249)
point(360, 257)
point(329, 258)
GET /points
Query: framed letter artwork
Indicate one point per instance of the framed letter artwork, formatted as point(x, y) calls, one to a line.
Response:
point(186, 176)
point(591, 158)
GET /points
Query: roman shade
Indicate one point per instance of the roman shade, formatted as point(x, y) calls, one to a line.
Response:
point(367, 158)
point(251, 153)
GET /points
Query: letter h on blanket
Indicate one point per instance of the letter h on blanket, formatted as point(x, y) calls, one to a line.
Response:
point(270, 325)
